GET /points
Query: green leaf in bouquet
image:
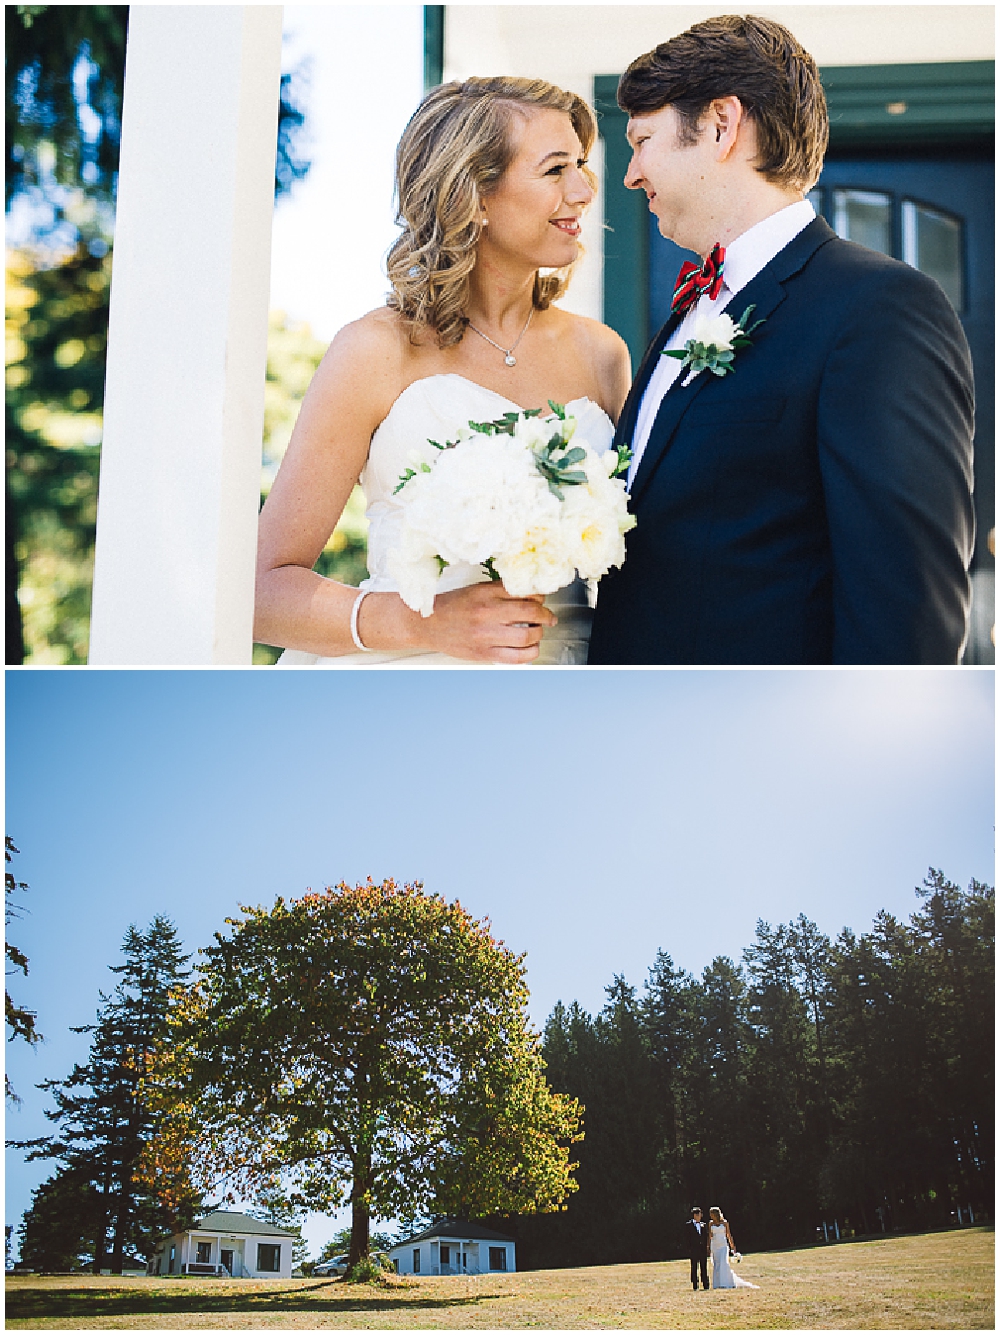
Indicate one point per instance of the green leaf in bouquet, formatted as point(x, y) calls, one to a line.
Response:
point(624, 453)
point(558, 409)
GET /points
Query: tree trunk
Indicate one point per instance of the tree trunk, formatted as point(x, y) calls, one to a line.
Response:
point(360, 1221)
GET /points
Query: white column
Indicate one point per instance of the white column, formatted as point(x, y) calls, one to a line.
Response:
point(187, 340)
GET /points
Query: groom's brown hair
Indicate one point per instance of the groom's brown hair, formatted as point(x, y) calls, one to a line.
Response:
point(754, 59)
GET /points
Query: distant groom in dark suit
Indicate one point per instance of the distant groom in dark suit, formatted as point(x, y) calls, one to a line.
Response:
point(813, 503)
point(696, 1236)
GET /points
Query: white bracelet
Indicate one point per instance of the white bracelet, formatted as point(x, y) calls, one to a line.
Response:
point(354, 621)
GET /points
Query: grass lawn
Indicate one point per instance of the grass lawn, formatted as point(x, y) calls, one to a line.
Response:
point(932, 1281)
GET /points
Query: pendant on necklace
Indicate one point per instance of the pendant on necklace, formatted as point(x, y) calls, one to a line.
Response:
point(510, 360)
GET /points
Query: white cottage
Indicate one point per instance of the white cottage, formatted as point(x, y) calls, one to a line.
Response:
point(454, 1247)
point(226, 1243)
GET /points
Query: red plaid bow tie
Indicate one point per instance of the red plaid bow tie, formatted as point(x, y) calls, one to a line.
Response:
point(693, 282)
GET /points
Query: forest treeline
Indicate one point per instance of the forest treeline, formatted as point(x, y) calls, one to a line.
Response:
point(815, 1080)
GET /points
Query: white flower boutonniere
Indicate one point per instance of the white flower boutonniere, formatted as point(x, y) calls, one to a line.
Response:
point(716, 341)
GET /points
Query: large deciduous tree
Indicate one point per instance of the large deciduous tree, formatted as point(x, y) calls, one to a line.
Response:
point(368, 1043)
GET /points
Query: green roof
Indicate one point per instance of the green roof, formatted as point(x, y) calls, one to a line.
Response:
point(231, 1221)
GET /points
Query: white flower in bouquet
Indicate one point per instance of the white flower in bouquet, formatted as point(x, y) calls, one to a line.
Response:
point(522, 497)
point(542, 562)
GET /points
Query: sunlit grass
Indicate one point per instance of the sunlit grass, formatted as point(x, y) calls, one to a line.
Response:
point(933, 1281)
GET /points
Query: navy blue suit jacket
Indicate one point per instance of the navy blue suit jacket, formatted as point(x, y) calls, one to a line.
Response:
point(814, 506)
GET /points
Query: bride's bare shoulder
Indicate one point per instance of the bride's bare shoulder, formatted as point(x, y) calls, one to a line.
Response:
point(379, 339)
point(365, 361)
point(606, 352)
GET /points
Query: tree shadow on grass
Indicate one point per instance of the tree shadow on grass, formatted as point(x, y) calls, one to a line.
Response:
point(24, 1303)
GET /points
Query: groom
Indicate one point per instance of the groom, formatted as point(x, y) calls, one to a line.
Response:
point(696, 1235)
point(813, 505)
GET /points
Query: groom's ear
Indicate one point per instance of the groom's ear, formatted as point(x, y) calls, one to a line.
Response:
point(726, 117)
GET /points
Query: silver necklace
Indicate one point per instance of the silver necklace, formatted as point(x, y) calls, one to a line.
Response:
point(509, 357)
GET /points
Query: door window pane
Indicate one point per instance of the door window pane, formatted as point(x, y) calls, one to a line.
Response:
point(932, 243)
point(204, 1253)
point(864, 216)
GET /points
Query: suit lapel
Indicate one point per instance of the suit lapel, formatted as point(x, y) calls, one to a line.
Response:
point(626, 422)
point(765, 292)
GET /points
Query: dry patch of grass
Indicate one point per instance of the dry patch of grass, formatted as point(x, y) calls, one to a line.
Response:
point(935, 1281)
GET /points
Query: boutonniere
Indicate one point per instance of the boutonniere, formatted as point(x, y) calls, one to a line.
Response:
point(716, 341)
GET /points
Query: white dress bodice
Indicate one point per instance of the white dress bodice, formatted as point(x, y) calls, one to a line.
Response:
point(434, 408)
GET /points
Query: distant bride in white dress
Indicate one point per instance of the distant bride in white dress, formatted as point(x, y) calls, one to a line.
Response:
point(721, 1244)
point(492, 181)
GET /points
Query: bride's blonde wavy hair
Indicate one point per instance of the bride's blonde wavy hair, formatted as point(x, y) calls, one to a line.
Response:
point(452, 155)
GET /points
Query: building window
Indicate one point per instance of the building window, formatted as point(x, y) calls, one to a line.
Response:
point(498, 1258)
point(204, 1253)
point(445, 1255)
point(268, 1257)
point(416, 1260)
point(395, 1264)
point(864, 216)
point(932, 243)
point(173, 1257)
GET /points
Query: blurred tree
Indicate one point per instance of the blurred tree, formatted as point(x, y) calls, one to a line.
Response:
point(56, 341)
point(64, 81)
point(103, 1119)
point(368, 1043)
point(20, 1022)
point(293, 355)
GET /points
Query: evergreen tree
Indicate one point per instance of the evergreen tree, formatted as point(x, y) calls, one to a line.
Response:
point(850, 1079)
point(670, 1017)
point(20, 1021)
point(60, 1229)
point(782, 1087)
point(103, 1120)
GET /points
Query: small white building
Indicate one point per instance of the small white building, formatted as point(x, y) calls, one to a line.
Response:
point(229, 1244)
point(454, 1247)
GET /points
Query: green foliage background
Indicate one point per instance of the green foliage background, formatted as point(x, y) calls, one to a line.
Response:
point(293, 355)
point(815, 1079)
point(63, 88)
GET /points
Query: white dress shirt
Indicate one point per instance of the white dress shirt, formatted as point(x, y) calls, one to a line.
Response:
point(745, 258)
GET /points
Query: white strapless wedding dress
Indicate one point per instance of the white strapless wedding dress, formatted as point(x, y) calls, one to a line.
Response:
point(433, 409)
point(723, 1275)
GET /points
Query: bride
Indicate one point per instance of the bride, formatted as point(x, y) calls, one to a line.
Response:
point(721, 1244)
point(492, 181)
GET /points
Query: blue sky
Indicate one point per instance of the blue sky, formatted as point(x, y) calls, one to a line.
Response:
point(593, 816)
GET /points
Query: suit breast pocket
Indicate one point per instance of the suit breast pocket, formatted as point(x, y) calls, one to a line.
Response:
point(733, 411)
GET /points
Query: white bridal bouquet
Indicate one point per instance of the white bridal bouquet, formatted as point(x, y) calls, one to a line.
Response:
point(524, 497)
